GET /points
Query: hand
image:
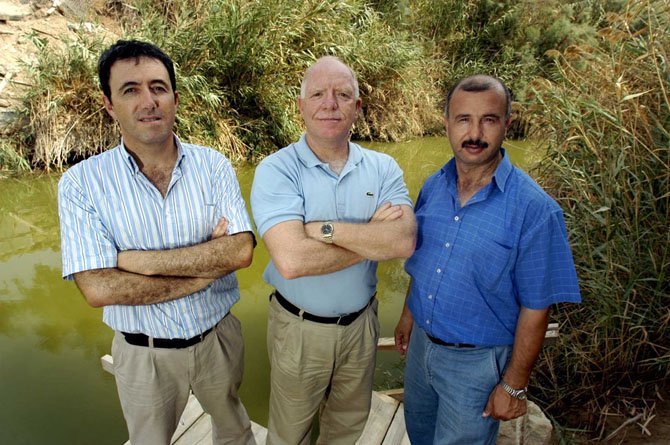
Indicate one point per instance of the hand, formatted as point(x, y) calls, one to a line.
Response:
point(403, 330)
point(386, 212)
point(502, 406)
point(221, 228)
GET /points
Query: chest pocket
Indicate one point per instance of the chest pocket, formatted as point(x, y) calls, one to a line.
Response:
point(491, 261)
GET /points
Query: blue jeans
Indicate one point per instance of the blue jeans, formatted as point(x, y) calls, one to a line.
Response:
point(446, 391)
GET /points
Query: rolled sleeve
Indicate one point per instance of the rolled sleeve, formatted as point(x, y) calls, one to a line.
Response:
point(275, 196)
point(394, 189)
point(229, 201)
point(85, 242)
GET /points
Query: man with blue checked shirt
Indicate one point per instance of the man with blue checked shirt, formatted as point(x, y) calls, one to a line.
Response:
point(492, 256)
point(152, 231)
point(328, 211)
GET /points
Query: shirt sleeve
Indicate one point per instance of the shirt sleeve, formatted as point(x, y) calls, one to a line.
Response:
point(85, 242)
point(229, 201)
point(545, 272)
point(275, 195)
point(394, 189)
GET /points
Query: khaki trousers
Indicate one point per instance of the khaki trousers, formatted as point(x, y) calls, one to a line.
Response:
point(154, 385)
point(323, 366)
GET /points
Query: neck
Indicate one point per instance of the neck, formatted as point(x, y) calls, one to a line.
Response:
point(329, 151)
point(478, 173)
point(154, 156)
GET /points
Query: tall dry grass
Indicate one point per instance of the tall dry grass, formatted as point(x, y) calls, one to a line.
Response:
point(239, 64)
point(605, 117)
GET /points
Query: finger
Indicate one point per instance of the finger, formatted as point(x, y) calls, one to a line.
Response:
point(380, 210)
point(221, 228)
point(389, 214)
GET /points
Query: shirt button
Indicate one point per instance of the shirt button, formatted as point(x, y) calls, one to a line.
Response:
point(438, 270)
point(430, 297)
point(456, 218)
point(427, 321)
point(447, 245)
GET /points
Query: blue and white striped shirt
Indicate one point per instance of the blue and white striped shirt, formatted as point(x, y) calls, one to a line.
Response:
point(475, 266)
point(107, 205)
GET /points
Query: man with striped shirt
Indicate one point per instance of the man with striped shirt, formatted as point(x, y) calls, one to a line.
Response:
point(492, 256)
point(152, 231)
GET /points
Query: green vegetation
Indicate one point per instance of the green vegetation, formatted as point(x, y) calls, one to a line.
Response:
point(606, 120)
point(590, 77)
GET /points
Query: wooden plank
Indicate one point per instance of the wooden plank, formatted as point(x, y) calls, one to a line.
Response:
point(381, 414)
point(397, 433)
point(386, 344)
point(260, 433)
point(550, 337)
point(199, 433)
point(398, 393)
point(107, 363)
point(192, 413)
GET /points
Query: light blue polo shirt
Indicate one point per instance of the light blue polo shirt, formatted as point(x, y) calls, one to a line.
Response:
point(293, 184)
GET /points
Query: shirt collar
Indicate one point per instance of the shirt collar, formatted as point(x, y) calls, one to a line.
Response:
point(309, 159)
point(132, 164)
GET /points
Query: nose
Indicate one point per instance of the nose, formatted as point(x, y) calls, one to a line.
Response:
point(476, 130)
point(330, 101)
point(148, 101)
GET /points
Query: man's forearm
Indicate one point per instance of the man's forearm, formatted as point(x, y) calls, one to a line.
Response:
point(528, 339)
point(104, 287)
point(211, 259)
point(375, 240)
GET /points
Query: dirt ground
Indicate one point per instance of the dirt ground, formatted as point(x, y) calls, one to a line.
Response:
point(22, 21)
point(52, 20)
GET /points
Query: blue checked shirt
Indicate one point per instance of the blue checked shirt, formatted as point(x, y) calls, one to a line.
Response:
point(475, 266)
point(106, 205)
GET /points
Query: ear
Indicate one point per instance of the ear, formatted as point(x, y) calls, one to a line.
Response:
point(445, 119)
point(300, 103)
point(359, 104)
point(176, 99)
point(108, 106)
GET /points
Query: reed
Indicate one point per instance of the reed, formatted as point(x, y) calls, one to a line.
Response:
point(239, 66)
point(605, 119)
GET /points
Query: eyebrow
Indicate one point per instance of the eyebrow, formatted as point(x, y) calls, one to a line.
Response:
point(133, 83)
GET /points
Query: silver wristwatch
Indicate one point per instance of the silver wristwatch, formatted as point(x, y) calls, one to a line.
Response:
point(520, 394)
point(327, 230)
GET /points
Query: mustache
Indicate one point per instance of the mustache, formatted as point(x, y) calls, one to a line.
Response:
point(476, 142)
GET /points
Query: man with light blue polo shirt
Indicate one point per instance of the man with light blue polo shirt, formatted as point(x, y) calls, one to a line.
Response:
point(492, 256)
point(152, 231)
point(328, 211)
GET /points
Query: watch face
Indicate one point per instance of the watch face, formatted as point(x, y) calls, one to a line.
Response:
point(326, 229)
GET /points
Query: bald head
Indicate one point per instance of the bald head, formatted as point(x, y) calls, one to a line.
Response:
point(478, 83)
point(331, 62)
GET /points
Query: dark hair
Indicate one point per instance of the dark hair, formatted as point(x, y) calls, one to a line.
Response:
point(131, 49)
point(479, 83)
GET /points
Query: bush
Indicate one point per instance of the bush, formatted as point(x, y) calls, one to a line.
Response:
point(605, 118)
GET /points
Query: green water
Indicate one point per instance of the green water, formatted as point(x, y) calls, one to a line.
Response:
point(52, 387)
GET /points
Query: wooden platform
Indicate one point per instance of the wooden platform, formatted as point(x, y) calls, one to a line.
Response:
point(385, 426)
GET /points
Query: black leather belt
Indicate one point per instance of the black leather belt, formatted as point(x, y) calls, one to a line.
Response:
point(343, 320)
point(166, 343)
point(437, 341)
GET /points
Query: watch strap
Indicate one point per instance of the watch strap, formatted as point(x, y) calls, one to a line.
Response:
point(520, 394)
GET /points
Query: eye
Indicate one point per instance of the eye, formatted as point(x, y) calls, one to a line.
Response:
point(344, 95)
point(317, 94)
point(129, 90)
